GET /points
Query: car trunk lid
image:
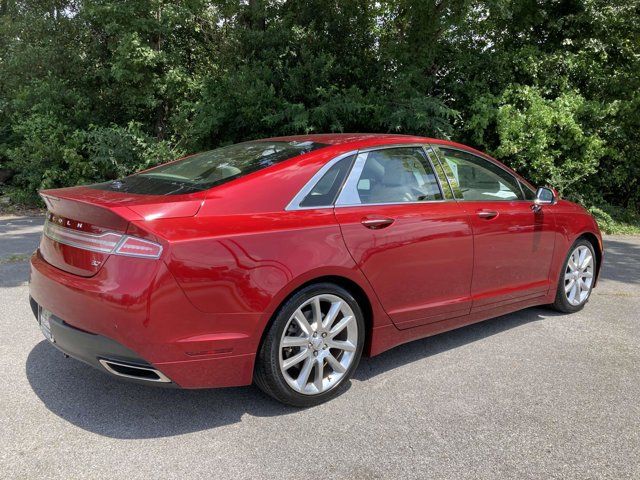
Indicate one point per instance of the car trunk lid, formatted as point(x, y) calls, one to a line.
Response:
point(84, 225)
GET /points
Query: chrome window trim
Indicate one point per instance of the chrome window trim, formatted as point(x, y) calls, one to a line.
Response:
point(422, 202)
point(425, 149)
point(440, 146)
point(444, 174)
point(351, 183)
point(294, 204)
point(391, 145)
point(354, 175)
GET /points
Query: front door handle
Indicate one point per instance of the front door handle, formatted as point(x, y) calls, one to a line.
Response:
point(487, 214)
point(376, 223)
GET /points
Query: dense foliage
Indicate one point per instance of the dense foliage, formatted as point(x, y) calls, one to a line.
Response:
point(95, 89)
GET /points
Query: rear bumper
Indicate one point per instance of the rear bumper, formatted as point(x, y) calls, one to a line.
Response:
point(101, 352)
point(139, 315)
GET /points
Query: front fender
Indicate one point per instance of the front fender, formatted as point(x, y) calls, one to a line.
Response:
point(572, 222)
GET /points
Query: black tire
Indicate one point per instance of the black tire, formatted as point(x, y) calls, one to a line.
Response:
point(561, 302)
point(267, 374)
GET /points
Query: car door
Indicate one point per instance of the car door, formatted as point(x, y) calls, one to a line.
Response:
point(513, 244)
point(414, 247)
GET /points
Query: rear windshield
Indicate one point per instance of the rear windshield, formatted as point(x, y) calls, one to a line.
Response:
point(208, 169)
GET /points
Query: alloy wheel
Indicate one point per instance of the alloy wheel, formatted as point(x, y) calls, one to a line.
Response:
point(578, 276)
point(318, 344)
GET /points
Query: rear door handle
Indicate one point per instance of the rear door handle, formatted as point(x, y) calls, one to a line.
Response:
point(376, 223)
point(487, 214)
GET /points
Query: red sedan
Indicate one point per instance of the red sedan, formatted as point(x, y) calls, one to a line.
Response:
point(282, 261)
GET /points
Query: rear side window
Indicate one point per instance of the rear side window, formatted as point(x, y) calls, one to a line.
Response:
point(391, 175)
point(208, 169)
point(324, 192)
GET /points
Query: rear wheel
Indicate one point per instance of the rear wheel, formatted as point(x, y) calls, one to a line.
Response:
point(312, 347)
point(576, 278)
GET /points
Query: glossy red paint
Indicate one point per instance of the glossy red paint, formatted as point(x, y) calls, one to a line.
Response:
point(513, 251)
point(231, 255)
point(429, 237)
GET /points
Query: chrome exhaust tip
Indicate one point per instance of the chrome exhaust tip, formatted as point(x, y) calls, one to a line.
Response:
point(136, 372)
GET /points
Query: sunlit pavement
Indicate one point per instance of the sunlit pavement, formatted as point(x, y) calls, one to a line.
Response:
point(533, 394)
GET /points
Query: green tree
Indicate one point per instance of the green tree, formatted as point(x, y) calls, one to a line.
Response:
point(95, 89)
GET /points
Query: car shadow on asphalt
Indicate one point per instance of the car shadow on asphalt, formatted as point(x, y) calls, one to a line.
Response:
point(96, 402)
point(426, 347)
point(113, 408)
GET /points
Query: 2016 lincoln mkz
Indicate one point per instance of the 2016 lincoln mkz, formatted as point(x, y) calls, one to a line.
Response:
point(282, 261)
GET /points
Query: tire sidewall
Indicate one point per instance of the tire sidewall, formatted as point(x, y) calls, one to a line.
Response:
point(562, 302)
point(270, 351)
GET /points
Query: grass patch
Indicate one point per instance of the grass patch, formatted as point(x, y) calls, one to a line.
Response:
point(17, 258)
point(616, 220)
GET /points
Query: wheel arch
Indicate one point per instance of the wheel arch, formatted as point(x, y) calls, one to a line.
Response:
point(597, 248)
point(348, 284)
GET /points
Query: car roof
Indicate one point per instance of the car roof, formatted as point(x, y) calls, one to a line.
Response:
point(347, 141)
point(344, 138)
point(362, 140)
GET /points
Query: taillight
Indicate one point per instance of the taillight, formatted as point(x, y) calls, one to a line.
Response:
point(108, 242)
point(137, 247)
point(103, 243)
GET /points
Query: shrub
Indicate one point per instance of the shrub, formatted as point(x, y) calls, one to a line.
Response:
point(548, 140)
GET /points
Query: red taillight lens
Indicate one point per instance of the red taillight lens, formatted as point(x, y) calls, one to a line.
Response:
point(108, 242)
point(137, 247)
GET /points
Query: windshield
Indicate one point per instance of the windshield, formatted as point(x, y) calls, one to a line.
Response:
point(208, 169)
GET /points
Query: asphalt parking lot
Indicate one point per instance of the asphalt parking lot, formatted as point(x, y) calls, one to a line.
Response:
point(533, 394)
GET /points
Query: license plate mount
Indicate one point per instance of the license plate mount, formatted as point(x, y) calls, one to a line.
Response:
point(44, 317)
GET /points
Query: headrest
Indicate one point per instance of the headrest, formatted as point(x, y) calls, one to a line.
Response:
point(398, 171)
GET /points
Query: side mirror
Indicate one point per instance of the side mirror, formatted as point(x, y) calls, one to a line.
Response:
point(544, 196)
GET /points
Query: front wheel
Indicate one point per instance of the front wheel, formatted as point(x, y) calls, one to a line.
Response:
point(576, 278)
point(312, 347)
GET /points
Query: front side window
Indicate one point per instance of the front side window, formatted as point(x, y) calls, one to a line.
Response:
point(476, 179)
point(208, 169)
point(391, 175)
point(528, 193)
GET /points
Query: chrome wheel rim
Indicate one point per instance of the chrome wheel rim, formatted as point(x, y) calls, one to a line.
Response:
point(318, 344)
point(578, 276)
